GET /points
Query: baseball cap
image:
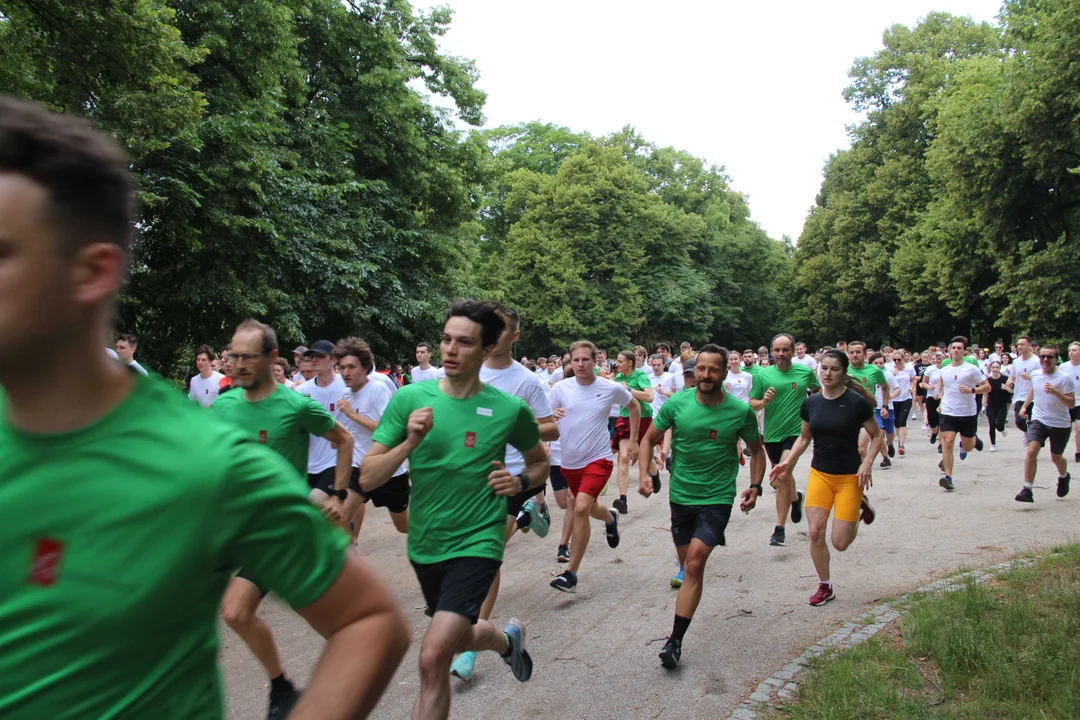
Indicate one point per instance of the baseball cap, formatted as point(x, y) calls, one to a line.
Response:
point(321, 347)
point(688, 367)
point(300, 349)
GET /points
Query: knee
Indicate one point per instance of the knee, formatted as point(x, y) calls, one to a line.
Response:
point(841, 543)
point(560, 500)
point(694, 567)
point(582, 510)
point(434, 662)
point(817, 534)
point(238, 617)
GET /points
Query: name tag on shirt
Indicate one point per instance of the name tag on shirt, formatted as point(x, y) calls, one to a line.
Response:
point(486, 412)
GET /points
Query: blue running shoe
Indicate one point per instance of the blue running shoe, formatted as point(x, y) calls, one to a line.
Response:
point(463, 665)
point(676, 580)
point(519, 661)
point(963, 454)
point(539, 520)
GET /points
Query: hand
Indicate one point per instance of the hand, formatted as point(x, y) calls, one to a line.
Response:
point(777, 472)
point(419, 425)
point(749, 499)
point(884, 413)
point(332, 510)
point(1026, 376)
point(662, 461)
point(633, 452)
point(769, 394)
point(502, 482)
point(345, 406)
point(1049, 389)
point(1024, 413)
point(645, 483)
point(558, 414)
point(866, 479)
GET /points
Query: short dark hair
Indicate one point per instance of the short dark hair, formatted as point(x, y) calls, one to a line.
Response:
point(663, 346)
point(483, 313)
point(782, 335)
point(715, 349)
point(1057, 353)
point(205, 350)
point(129, 339)
point(959, 339)
point(423, 345)
point(856, 342)
point(87, 176)
point(511, 315)
point(269, 337)
point(1024, 337)
point(357, 348)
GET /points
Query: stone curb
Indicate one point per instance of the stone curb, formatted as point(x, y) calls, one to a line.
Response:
point(783, 683)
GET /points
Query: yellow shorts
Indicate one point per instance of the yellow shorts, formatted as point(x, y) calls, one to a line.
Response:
point(824, 490)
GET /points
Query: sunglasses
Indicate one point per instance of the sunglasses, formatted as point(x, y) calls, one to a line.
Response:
point(1048, 357)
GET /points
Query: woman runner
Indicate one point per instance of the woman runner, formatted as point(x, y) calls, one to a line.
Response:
point(998, 402)
point(831, 419)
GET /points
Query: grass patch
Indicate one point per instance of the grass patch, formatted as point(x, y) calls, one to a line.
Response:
point(1009, 648)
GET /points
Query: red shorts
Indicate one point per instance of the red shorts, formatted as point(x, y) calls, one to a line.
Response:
point(590, 479)
point(622, 430)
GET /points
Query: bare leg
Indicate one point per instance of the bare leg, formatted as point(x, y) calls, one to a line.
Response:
point(447, 634)
point(624, 466)
point(585, 507)
point(1060, 463)
point(948, 439)
point(1031, 461)
point(239, 608)
point(693, 557)
point(818, 518)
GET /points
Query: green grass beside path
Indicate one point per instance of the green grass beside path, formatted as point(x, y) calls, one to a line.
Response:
point(1009, 648)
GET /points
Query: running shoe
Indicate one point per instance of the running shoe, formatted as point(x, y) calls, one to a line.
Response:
point(677, 578)
point(993, 447)
point(900, 450)
point(823, 595)
point(796, 507)
point(1076, 456)
point(778, 538)
point(925, 427)
point(939, 450)
point(656, 482)
point(892, 450)
point(1025, 495)
point(946, 482)
point(519, 661)
point(885, 463)
point(979, 444)
point(463, 665)
point(669, 656)
point(612, 531)
point(1005, 433)
point(620, 505)
point(281, 703)
point(563, 554)
point(963, 454)
point(566, 581)
point(941, 465)
point(1063, 485)
point(866, 513)
point(539, 521)
point(933, 437)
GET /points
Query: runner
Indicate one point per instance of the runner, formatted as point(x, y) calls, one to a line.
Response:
point(1073, 369)
point(207, 384)
point(581, 406)
point(886, 419)
point(663, 386)
point(1053, 394)
point(906, 380)
point(108, 598)
point(931, 382)
point(839, 471)
point(998, 401)
point(779, 390)
point(528, 510)
point(424, 370)
point(634, 380)
point(272, 415)
point(359, 408)
point(801, 358)
point(1020, 378)
point(920, 368)
point(870, 377)
point(125, 348)
point(563, 497)
point(957, 386)
point(454, 433)
point(706, 427)
point(738, 384)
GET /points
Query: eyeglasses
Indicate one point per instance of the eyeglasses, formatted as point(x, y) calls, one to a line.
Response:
point(245, 357)
point(1048, 357)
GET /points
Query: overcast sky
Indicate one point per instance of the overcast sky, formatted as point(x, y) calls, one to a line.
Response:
point(753, 86)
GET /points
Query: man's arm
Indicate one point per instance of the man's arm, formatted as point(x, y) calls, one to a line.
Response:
point(342, 440)
point(366, 639)
point(537, 466)
point(1027, 402)
point(380, 462)
point(549, 429)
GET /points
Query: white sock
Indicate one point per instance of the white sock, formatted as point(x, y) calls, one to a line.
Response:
point(1028, 485)
point(827, 584)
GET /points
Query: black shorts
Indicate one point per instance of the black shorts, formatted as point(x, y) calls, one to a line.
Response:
point(901, 412)
point(933, 418)
point(776, 449)
point(704, 522)
point(514, 503)
point(558, 482)
point(966, 425)
point(920, 391)
point(393, 495)
point(1074, 413)
point(1039, 432)
point(458, 585)
point(322, 480)
point(263, 591)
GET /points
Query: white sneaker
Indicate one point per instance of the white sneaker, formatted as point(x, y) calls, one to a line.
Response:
point(993, 448)
point(1003, 432)
point(925, 427)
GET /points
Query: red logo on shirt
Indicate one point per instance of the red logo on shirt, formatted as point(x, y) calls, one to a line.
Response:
point(331, 407)
point(794, 386)
point(712, 434)
point(470, 439)
point(45, 562)
point(262, 437)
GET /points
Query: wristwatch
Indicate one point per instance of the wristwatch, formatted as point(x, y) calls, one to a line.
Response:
point(526, 483)
point(756, 486)
point(341, 495)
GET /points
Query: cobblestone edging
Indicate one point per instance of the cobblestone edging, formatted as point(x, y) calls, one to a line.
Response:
point(783, 683)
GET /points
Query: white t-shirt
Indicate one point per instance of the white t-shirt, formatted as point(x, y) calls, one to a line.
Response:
point(664, 380)
point(516, 380)
point(890, 379)
point(555, 376)
point(297, 379)
point(993, 357)
point(139, 368)
point(903, 379)
point(583, 433)
point(931, 377)
point(369, 401)
point(1022, 387)
point(1074, 373)
point(1049, 409)
point(205, 390)
point(806, 360)
point(320, 455)
point(418, 375)
point(676, 372)
point(738, 385)
point(543, 375)
point(954, 377)
point(383, 380)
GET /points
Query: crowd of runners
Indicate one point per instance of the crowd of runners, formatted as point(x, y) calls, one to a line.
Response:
point(260, 479)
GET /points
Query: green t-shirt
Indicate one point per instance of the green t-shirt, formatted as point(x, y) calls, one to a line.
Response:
point(283, 421)
point(752, 369)
point(869, 376)
point(782, 419)
point(452, 511)
point(119, 540)
point(967, 358)
point(637, 380)
point(703, 445)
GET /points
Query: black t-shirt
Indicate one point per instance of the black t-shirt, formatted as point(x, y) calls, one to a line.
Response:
point(835, 426)
point(998, 396)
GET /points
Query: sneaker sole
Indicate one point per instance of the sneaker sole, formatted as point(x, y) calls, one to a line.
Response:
point(774, 543)
point(826, 600)
point(669, 661)
point(676, 584)
point(526, 660)
point(560, 588)
point(944, 484)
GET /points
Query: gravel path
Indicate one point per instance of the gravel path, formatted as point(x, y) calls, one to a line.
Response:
point(595, 652)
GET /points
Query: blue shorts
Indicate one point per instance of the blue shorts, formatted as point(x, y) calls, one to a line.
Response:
point(886, 424)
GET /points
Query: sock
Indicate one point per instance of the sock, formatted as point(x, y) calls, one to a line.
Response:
point(280, 684)
point(623, 498)
point(508, 650)
point(827, 583)
point(1028, 485)
point(679, 629)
